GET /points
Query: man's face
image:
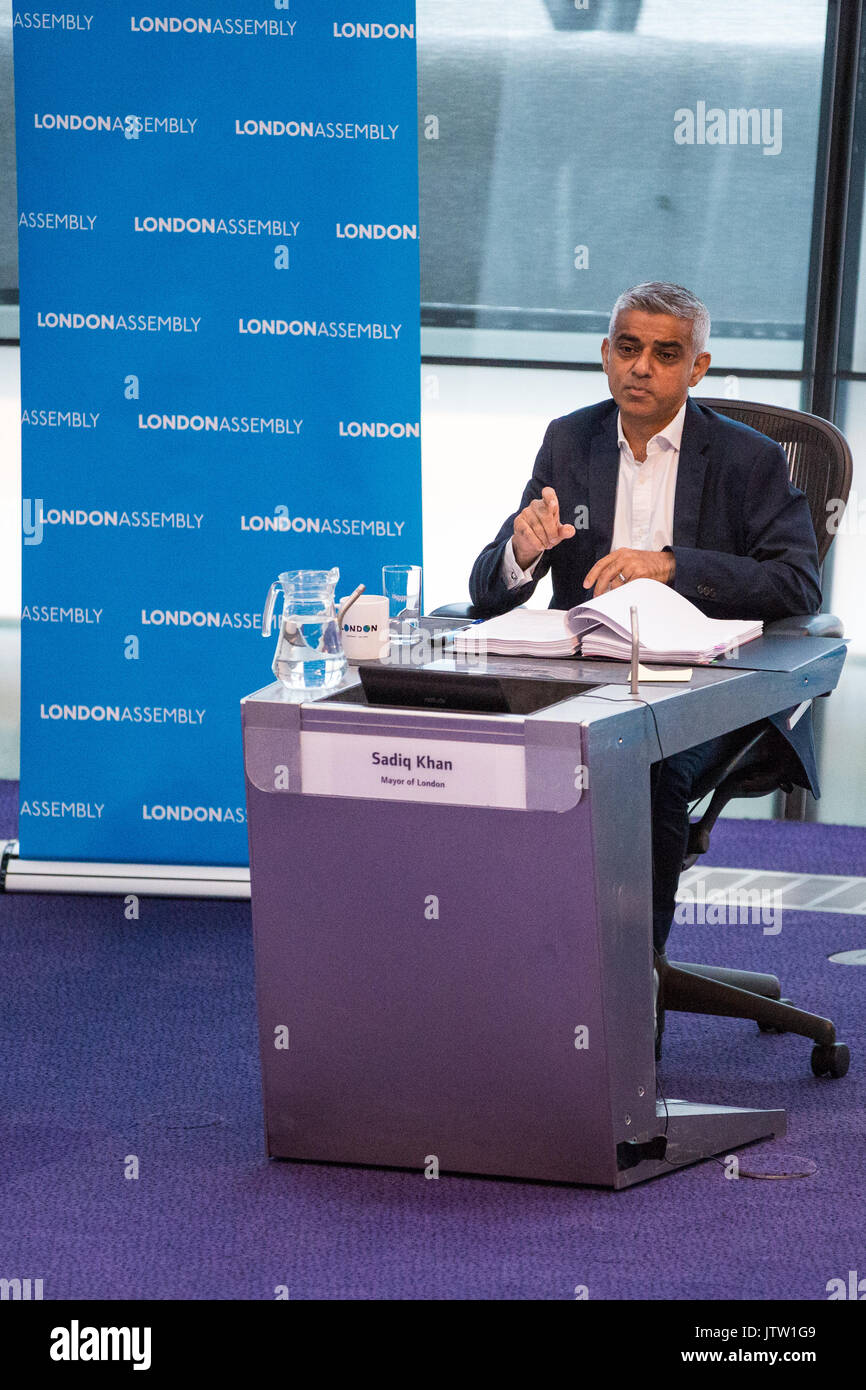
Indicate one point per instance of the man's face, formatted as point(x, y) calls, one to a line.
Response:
point(650, 365)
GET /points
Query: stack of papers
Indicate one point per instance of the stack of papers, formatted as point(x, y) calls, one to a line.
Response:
point(670, 628)
point(522, 632)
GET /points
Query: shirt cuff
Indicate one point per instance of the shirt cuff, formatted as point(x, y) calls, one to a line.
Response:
point(514, 577)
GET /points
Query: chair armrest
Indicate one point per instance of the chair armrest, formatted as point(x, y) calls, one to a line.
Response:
point(809, 625)
point(454, 610)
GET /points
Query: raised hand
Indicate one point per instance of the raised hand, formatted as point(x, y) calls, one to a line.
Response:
point(538, 528)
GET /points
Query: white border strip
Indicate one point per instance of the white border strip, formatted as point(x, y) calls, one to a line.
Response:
point(145, 880)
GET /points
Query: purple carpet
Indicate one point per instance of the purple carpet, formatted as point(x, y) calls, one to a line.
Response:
point(134, 1041)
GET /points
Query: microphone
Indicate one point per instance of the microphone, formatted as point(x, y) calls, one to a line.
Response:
point(635, 648)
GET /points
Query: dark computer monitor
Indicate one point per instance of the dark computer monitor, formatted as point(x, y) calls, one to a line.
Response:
point(484, 693)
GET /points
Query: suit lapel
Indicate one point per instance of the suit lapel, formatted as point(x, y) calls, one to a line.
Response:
point(694, 457)
point(603, 478)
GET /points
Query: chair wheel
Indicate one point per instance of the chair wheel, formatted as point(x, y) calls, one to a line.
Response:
point(830, 1061)
point(775, 1027)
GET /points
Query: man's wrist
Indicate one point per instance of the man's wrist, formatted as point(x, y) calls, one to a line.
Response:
point(513, 573)
point(525, 561)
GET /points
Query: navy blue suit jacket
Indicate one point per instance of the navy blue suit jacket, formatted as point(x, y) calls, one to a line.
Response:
point(743, 538)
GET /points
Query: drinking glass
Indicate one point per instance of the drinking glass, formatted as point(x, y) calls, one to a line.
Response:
point(402, 584)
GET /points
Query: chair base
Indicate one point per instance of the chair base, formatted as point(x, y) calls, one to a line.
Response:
point(767, 986)
point(704, 989)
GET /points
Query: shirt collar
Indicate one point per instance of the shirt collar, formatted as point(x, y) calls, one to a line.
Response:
point(668, 438)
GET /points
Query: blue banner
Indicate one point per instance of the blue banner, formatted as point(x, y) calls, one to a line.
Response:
point(218, 223)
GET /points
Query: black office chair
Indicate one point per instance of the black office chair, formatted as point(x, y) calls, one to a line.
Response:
point(820, 465)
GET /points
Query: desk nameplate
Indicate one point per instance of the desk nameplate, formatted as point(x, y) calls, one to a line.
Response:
point(498, 761)
point(411, 768)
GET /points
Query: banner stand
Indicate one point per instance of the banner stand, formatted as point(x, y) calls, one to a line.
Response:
point(145, 880)
point(218, 235)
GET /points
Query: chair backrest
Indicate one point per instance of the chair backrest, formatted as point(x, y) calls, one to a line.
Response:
point(819, 459)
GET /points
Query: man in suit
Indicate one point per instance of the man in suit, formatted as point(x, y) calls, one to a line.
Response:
point(652, 485)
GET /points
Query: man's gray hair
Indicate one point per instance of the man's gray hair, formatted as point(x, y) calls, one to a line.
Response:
point(660, 297)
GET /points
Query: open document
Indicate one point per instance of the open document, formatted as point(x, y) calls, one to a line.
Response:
point(670, 628)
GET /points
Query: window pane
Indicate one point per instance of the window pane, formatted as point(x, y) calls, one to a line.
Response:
point(841, 744)
point(846, 594)
point(481, 428)
point(852, 346)
point(566, 154)
point(764, 390)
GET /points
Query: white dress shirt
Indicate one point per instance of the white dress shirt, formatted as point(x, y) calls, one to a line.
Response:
point(644, 516)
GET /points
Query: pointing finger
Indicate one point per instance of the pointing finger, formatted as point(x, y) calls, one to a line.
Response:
point(549, 496)
point(546, 519)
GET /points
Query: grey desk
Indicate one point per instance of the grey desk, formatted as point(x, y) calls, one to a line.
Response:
point(453, 938)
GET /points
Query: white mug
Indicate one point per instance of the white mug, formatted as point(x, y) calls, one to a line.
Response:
point(364, 630)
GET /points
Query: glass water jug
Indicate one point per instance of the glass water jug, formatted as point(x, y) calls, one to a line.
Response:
point(309, 654)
